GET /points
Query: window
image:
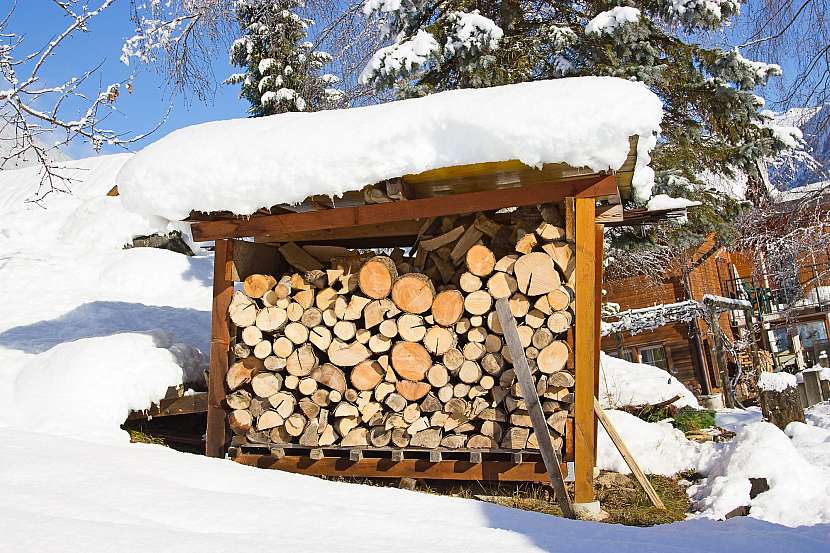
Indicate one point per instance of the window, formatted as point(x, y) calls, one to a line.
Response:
point(654, 355)
point(810, 332)
point(628, 355)
point(782, 339)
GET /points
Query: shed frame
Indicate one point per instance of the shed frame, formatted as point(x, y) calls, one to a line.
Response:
point(486, 186)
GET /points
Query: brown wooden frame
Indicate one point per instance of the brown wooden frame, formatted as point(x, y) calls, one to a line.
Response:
point(580, 222)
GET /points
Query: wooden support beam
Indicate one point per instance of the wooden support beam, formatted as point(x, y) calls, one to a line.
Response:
point(599, 232)
point(534, 407)
point(370, 467)
point(626, 455)
point(585, 353)
point(185, 405)
point(589, 187)
point(219, 348)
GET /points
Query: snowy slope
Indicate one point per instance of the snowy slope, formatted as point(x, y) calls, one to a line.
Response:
point(623, 383)
point(70, 288)
point(96, 498)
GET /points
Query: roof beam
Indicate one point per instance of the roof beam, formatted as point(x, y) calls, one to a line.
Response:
point(597, 186)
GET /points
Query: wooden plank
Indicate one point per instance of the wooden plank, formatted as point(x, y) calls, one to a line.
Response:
point(219, 347)
point(599, 251)
point(185, 405)
point(406, 230)
point(534, 407)
point(250, 258)
point(584, 354)
point(589, 187)
point(626, 455)
point(369, 467)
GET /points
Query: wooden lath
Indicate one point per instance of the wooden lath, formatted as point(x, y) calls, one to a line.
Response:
point(272, 226)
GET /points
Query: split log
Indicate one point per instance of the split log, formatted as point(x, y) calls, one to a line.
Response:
point(560, 379)
point(470, 237)
point(256, 285)
point(321, 337)
point(445, 239)
point(379, 343)
point(411, 327)
point(311, 317)
point(481, 442)
point(283, 403)
point(413, 293)
point(251, 335)
point(366, 375)
point(395, 402)
point(330, 376)
point(549, 232)
point(501, 285)
point(269, 420)
point(536, 274)
point(238, 375)
point(325, 298)
point(266, 384)
point(448, 307)
point(412, 391)
point(302, 361)
point(439, 340)
point(298, 257)
point(242, 310)
point(347, 355)
point(429, 438)
point(519, 305)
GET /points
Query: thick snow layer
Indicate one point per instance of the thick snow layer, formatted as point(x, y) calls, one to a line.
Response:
point(819, 415)
point(735, 420)
point(608, 21)
point(658, 448)
point(623, 383)
point(96, 498)
point(799, 491)
point(74, 352)
point(664, 201)
point(242, 165)
point(776, 382)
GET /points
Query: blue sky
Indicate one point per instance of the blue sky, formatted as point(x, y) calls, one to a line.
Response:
point(140, 111)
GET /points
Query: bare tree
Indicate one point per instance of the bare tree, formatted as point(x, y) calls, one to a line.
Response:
point(32, 110)
point(797, 31)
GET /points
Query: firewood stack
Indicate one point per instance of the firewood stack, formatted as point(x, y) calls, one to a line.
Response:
point(364, 349)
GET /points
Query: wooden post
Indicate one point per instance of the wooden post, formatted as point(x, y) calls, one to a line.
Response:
point(219, 348)
point(627, 456)
point(726, 392)
point(534, 407)
point(599, 233)
point(585, 344)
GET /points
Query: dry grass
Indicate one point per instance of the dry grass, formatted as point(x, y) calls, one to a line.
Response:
point(623, 499)
point(139, 437)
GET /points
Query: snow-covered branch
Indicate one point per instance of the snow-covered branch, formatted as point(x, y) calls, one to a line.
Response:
point(34, 112)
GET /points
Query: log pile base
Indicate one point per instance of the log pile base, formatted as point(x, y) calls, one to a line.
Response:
point(430, 464)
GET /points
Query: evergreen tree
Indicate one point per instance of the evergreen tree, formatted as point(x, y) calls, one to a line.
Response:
point(282, 68)
point(714, 124)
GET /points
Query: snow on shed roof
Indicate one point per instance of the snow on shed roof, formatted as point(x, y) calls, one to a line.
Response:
point(242, 165)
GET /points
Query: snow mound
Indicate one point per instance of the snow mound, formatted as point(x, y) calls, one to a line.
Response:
point(819, 415)
point(664, 201)
point(658, 447)
point(776, 382)
point(242, 165)
point(624, 383)
point(799, 491)
point(608, 21)
point(93, 383)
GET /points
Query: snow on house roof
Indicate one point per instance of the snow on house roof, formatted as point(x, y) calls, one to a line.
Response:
point(242, 165)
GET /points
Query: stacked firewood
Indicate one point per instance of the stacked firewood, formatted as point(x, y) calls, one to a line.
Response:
point(366, 349)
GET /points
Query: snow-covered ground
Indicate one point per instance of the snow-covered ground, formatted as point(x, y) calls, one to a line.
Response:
point(90, 330)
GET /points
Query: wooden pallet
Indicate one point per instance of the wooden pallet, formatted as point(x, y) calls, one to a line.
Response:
point(184, 405)
point(371, 462)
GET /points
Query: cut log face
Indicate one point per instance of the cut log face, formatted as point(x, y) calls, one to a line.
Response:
point(347, 355)
point(330, 376)
point(438, 340)
point(412, 391)
point(413, 293)
point(501, 285)
point(366, 375)
point(411, 327)
point(478, 302)
point(376, 277)
point(410, 360)
point(302, 361)
point(251, 336)
point(480, 260)
point(266, 384)
point(469, 282)
point(448, 307)
point(553, 357)
point(240, 421)
point(536, 274)
point(243, 310)
point(238, 375)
